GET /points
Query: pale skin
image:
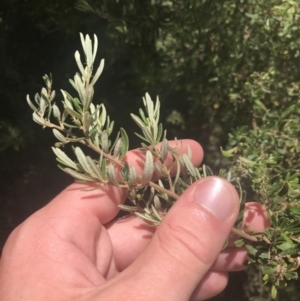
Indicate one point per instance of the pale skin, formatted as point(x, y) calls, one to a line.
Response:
point(75, 249)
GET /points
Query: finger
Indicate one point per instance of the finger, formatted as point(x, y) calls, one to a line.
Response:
point(256, 217)
point(129, 236)
point(187, 243)
point(213, 283)
point(232, 259)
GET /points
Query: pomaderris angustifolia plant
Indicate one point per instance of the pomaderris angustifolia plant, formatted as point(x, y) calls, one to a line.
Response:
point(85, 124)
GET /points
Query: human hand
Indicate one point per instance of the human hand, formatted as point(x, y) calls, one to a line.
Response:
point(74, 249)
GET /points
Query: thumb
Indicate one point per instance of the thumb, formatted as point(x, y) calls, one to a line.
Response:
point(187, 242)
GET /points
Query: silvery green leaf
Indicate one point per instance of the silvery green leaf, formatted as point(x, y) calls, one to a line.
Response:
point(79, 63)
point(145, 217)
point(104, 142)
point(157, 110)
point(67, 101)
point(44, 93)
point(181, 161)
point(131, 209)
point(73, 113)
point(94, 168)
point(149, 106)
point(152, 219)
point(154, 130)
point(63, 158)
point(148, 168)
point(33, 108)
point(164, 149)
point(103, 115)
point(43, 106)
point(72, 83)
point(141, 137)
point(89, 97)
point(95, 47)
point(207, 171)
point(52, 96)
point(162, 194)
point(64, 116)
point(112, 174)
point(189, 165)
point(102, 164)
point(133, 176)
point(82, 41)
point(38, 119)
point(177, 174)
point(77, 103)
point(37, 98)
point(198, 175)
point(159, 133)
point(117, 147)
point(59, 135)
point(157, 215)
point(125, 143)
point(48, 80)
point(88, 51)
point(78, 176)
point(145, 120)
point(80, 88)
point(125, 172)
point(98, 72)
point(156, 202)
point(147, 135)
point(138, 121)
point(82, 159)
point(87, 121)
point(92, 108)
point(56, 111)
point(110, 126)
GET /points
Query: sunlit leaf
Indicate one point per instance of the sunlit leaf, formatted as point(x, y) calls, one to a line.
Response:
point(148, 168)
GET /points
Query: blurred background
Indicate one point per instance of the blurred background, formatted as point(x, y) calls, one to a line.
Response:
point(208, 61)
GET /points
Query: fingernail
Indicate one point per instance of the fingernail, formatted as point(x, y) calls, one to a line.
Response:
point(216, 196)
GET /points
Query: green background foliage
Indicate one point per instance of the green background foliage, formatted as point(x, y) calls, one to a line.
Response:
point(219, 67)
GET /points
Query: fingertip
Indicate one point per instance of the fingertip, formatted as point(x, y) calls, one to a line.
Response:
point(256, 217)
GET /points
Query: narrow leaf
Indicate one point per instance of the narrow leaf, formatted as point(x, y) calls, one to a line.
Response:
point(133, 176)
point(148, 168)
point(38, 119)
point(112, 174)
point(98, 72)
point(164, 149)
point(138, 121)
point(56, 112)
point(79, 63)
point(78, 176)
point(73, 113)
point(189, 165)
point(59, 136)
point(125, 143)
point(63, 158)
point(33, 108)
point(82, 159)
point(94, 168)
